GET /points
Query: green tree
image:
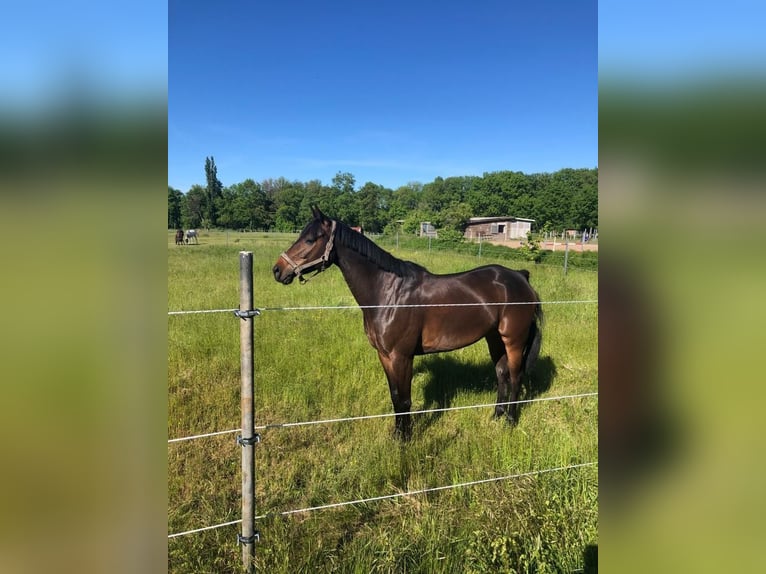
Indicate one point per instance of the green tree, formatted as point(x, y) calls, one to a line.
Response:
point(404, 200)
point(245, 206)
point(514, 190)
point(314, 193)
point(214, 191)
point(272, 187)
point(433, 197)
point(455, 217)
point(414, 218)
point(175, 206)
point(369, 200)
point(343, 198)
point(485, 196)
point(554, 192)
point(567, 198)
point(288, 207)
point(344, 182)
point(195, 207)
point(583, 209)
point(225, 209)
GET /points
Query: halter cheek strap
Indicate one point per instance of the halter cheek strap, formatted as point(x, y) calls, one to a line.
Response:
point(298, 269)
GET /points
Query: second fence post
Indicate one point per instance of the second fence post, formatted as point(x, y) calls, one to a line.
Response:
point(249, 438)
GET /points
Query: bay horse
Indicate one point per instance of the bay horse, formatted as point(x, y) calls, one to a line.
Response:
point(409, 311)
point(179, 236)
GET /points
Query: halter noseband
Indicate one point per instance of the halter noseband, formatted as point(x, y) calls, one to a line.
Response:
point(298, 269)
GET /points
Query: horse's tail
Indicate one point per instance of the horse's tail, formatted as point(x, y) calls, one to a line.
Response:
point(534, 337)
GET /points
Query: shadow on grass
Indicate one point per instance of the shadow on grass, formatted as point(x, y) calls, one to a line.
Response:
point(447, 376)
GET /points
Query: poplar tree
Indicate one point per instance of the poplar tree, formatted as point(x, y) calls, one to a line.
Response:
point(214, 191)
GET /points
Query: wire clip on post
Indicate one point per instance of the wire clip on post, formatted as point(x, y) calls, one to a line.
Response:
point(249, 539)
point(247, 314)
point(255, 439)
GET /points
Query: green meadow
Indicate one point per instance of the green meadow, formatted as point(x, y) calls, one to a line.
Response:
point(317, 364)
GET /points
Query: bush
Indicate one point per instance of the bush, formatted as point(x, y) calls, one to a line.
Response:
point(531, 249)
point(450, 236)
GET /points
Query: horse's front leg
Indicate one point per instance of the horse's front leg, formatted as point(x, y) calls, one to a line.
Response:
point(398, 370)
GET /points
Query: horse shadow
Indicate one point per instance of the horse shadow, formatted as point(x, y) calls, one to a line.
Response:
point(446, 377)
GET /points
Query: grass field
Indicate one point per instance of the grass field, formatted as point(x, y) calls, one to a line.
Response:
point(318, 364)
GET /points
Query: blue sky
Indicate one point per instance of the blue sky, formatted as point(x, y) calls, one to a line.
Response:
point(110, 51)
point(392, 92)
point(670, 41)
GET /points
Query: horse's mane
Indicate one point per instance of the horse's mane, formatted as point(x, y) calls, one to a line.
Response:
point(370, 251)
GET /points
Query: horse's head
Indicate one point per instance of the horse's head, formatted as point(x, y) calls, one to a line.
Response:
point(311, 252)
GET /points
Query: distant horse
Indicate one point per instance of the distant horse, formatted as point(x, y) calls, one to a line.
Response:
point(358, 229)
point(409, 311)
point(192, 234)
point(179, 236)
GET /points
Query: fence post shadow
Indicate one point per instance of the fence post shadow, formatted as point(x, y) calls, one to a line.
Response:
point(447, 376)
point(590, 559)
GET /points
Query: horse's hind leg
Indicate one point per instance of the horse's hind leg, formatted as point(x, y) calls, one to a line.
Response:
point(507, 356)
point(514, 354)
point(500, 360)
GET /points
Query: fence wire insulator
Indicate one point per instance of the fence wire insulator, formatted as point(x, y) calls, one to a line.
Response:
point(255, 439)
point(249, 539)
point(249, 314)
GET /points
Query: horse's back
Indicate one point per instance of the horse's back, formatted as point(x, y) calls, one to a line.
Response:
point(461, 308)
point(487, 278)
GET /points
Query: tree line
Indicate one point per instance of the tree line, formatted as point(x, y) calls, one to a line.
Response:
point(567, 199)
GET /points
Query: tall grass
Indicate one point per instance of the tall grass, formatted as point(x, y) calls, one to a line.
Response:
point(313, 365)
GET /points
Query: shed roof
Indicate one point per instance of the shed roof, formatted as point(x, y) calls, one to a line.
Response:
point(477, 220)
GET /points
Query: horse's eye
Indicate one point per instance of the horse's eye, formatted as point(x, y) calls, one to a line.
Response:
point(310, 241)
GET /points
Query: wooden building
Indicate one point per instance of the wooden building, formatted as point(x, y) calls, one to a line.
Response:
point(427, 230)
point(498, 228)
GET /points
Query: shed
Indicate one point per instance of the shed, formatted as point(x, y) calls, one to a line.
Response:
point(427, 230)
point(499, 228)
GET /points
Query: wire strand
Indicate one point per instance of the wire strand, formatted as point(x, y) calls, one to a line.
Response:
point(202, 311)
point(394, 306)
point(420, 412)
point(383, 415)
point(415, 305)
point(391, 496)
point(426, 490)
point(172, 440)
point(204, 528)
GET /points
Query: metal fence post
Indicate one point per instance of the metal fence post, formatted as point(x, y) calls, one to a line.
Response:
point(566, 255)
point(248, 438)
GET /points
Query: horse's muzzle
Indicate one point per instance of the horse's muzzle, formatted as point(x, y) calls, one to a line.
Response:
point(285, 280)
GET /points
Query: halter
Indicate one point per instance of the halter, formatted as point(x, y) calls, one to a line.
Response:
point(298, 269)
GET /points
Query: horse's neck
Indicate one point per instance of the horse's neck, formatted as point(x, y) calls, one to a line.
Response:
point(363, 277)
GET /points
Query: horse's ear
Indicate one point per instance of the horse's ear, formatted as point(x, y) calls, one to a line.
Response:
point(317, 213)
